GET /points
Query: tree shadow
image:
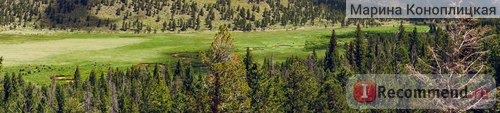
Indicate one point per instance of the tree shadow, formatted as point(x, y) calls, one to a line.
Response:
point(338, 5)
point(72, 14)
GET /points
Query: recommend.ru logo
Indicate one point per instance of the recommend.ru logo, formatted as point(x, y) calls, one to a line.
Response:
point(412, 92)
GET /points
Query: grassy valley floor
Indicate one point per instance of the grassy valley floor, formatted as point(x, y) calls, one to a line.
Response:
point(40, 56)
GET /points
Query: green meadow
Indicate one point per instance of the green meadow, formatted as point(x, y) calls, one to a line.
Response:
point(39, 56)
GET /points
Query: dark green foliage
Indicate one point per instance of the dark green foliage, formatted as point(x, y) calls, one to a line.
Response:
point(331, 53)
point(1, 60)
point(60, 98)
point(6, 87)
point(414, 42)
point(76, 78)
point(493, 45)
point(401, 52)
point(252, 78)
point(359, 51)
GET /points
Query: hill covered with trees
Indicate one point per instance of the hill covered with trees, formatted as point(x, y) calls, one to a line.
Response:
point(147, 16)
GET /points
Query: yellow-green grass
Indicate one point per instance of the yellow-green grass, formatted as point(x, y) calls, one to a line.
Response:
point(27, 53)
point(122, 50)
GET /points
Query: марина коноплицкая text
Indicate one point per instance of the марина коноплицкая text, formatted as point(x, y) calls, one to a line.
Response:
point(368, 9)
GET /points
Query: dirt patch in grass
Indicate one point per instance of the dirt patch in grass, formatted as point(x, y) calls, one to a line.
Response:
point(184, 55)
point(25, 52)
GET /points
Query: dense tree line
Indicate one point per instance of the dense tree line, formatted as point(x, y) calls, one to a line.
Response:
point(236, 83)
point(146, 16)
point(270, 87)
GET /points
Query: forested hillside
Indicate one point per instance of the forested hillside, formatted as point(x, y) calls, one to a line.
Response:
point(193, 73)
point(148, 16)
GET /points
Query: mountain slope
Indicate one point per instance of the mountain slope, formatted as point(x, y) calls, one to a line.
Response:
point(167, 15)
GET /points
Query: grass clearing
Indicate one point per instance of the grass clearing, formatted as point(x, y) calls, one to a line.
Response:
point(38, 57)
point(25, 53)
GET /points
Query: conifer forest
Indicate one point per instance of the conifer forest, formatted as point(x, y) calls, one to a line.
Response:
point(222, 56)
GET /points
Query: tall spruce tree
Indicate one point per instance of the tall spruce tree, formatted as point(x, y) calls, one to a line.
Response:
point(331, 53)
point(413, 46)
point(253, 77)
point(400, 51)
point(60, 97)
point(359, 50)
point(76, 78)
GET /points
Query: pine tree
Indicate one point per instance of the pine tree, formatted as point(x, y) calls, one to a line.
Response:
point(401, 53)
point(43, 105)
point(113, 104)
point(178, 89)
point(155, 95)
point(7, 84)
point(413, 46)
point(178, 69)
point(300, 86)
point(87, 97)
point(60, 97)
point(331, 53)
point(225, 75)
point(103, 94)
point(76, 78)
point(29, 98)
point(92, 79)
point(252, 78)
point(359, 51)
point(187, 80)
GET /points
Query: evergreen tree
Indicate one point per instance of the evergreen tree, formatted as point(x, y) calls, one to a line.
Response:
point(76, 78)
point(155, 96)
point(29, 98)
point(87, 97)
point(42, 106)
point(413, 46)
point(187, 80)
point(331, 53)
point(331, 97)
point(60, 97)
point(300, 86)
point(103, 94)
point(6, 87)
point(253, 78)
point(400, 50)
point(225, 75)
point(359, 51)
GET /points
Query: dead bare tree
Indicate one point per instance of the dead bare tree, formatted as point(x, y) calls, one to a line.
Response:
point(87, 97)
point(114, 95)
point(461, 57)
point(51, 93)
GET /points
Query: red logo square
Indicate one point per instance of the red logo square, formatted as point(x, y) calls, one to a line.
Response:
point(365, 91)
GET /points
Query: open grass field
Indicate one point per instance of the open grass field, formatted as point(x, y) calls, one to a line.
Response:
point(38, 57)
